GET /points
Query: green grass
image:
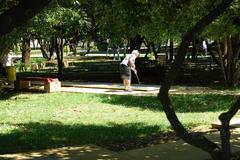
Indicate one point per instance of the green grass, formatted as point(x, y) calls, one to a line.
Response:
point(38, 121)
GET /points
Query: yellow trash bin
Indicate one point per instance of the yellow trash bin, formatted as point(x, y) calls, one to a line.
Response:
point(11, 73)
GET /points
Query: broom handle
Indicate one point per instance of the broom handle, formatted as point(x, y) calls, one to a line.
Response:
point(137, 78)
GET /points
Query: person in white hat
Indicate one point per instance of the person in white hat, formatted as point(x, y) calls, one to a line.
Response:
point(6, 61)
point(128, 64)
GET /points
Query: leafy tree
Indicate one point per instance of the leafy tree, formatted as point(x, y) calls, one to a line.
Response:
point(196, 140)
point(123, 20)
point(188, 20)
point(65, 23)
point(19, 14)
point(225, 50)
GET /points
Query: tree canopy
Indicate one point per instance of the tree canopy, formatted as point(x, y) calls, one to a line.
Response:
point(99, 20)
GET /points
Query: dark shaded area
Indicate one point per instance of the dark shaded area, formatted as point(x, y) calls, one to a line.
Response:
point(203, 72)
point(7, 93)
point(35, 136)
point(19, 14)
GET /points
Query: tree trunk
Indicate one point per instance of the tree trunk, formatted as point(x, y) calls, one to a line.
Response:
point(194, 49)
point(44, 48)
point(222, 66)
point(73, 48)
point(26, 50)
point(59, 52)
point(88, 47)
point(210, 50)
point(166, 50)
point(237, 72)
point(198, 141)
point(224, 130)
point(228, 55)
point(154, 51)
point(171, 47)
point(136, 42)
point(232, 64)
point(52, 48)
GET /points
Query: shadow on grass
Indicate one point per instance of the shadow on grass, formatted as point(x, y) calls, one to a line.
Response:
point(35, 136)
point(8, 93)
point(182, 103)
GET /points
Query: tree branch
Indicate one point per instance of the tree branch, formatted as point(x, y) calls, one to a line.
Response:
point(19, 14)
point(224, 131)
point(200, 142)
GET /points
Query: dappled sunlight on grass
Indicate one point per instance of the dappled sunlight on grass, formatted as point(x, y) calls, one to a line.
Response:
point(202, 103)
point(38, 121)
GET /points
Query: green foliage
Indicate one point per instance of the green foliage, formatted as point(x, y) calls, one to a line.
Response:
point(57, 21)
point(225, 25)
point(22, 67)
point(66, 49)
point(151, 56)
point(16, 49)
point(101, 20)
point(9, 40)
point(6, 4)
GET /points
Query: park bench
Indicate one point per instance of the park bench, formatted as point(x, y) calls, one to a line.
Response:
point(50, 84)
point(234, 123)
point(54, 63)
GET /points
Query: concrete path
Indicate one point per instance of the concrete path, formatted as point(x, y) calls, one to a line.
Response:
point(142, 89)
point(173, 150)
point(109, 88)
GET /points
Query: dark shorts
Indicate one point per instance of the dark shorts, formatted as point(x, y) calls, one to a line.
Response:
point(125, 72)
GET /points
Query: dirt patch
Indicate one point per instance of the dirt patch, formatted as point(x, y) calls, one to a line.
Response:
point(155, 140)
point(141, 143)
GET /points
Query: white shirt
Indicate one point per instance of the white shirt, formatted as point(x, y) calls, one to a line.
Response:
point(204, 45)
point(128, 58)
point(7, 60)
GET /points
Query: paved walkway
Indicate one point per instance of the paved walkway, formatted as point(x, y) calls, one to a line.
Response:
point(172, 150)
point(142, 89)
point(109, 88)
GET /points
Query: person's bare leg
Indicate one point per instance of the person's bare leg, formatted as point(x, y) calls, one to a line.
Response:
point(129, 85)
point(125, 84)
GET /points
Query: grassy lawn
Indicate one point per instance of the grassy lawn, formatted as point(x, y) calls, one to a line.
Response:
point(38, 121)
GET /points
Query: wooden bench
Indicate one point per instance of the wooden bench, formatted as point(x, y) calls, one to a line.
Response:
point(50, 84)
point(234, 123)
point(52, 63)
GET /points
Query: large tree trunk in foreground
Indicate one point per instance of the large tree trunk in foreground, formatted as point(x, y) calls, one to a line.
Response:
point(19, 14)
point(198, 141)
point(224, 131)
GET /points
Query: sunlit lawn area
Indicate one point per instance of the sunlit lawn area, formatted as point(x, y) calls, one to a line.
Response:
point(38, 121)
